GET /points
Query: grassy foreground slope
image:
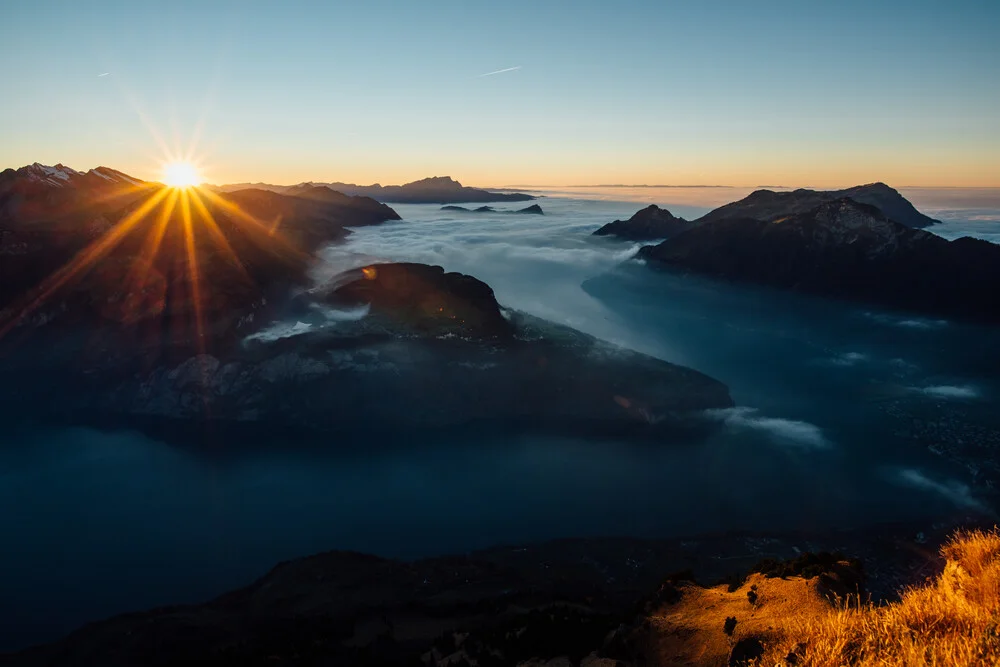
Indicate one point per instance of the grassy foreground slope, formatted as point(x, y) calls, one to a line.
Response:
point(952, 619)
point(587, 603)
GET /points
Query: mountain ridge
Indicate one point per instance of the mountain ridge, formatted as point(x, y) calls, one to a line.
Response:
point(768, 205)
point(430, 190)
point(845, 249)
point(655, 223)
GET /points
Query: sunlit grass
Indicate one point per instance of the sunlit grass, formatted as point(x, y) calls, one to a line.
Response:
point(952, 620)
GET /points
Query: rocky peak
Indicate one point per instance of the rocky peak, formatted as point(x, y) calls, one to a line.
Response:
point(647, 224)
point(57, 176)
point(845, 221)
point(426, 299)
point(763, 193)
point(769, 205)
point(654, 212)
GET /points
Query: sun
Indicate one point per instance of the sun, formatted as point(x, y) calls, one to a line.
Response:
point(181, 175)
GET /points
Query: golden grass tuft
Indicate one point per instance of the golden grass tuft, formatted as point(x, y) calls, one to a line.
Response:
point(953, 620)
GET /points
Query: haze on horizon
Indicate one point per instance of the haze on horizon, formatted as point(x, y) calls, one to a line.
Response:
point(720, 92)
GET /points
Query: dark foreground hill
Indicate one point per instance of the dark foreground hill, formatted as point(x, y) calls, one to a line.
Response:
point(586, 603)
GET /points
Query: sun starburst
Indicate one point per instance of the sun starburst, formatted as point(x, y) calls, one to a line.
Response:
point(171, 255)
point(181, 175)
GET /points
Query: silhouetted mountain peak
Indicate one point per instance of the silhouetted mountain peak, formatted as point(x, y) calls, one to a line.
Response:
point(769, 205)
point(647, 224)
point(435, 182)
point(654, 212)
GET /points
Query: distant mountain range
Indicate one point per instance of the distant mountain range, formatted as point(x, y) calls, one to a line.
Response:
point(434, 190)
point(534, 209)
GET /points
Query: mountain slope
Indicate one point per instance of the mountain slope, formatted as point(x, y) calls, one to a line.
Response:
point(768, 205)
point(102, 245)
point(848, 250)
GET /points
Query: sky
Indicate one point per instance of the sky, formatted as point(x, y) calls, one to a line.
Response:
point(658, 92)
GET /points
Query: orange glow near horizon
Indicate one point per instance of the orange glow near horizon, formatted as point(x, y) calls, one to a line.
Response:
point(731, 174)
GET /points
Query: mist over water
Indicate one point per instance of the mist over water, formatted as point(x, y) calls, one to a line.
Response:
point(828, 398)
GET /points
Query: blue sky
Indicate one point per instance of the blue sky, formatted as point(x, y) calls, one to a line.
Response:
point(741, 93)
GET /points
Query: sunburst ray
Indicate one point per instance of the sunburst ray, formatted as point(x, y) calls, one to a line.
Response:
point(221, 241)
point(154, 239)
point(192, 266)
point(255, 223)
point(86, 258)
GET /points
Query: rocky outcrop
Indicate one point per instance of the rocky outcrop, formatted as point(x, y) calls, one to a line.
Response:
point(848, 250)
point(427, 299)
point(651, 223)
point(768, 205)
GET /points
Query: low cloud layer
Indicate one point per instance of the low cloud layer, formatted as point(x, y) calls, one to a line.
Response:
point(907, 322)
point(849, 359)
point(950, 392)
point(952, 490)
point(783, 431)
point(326, 317)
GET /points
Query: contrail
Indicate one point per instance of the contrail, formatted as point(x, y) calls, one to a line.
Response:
point(105, 74)
point(499, 71)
